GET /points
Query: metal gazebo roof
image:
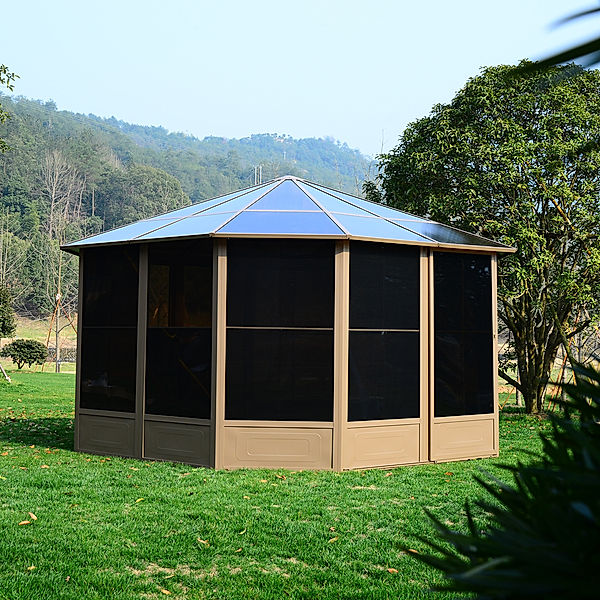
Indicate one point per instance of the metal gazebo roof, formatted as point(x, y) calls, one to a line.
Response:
point(295, 208)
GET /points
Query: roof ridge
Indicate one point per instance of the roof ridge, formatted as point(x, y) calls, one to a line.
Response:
point(425, 237)
point(323, 209)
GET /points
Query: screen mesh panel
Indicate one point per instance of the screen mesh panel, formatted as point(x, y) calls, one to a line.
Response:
point(179, 338)
point(279, 375)
point(384, 286)
point(463, 324)
point(178, 372)
point(110, 286)
point(108, 364)
point(383, 375)
point(280, 283)
point(384, 363)
point(109, 328)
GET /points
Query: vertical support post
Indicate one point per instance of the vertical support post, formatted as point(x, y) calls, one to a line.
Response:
point(494, 265)
point(219, 333)
point(424, 354)
point(340, 351)
point(431, 348)
point(142, 324)
point(79, 336)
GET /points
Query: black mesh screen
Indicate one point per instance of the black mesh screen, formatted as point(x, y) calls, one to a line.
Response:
point(279, 375)
point(110, 286)
point(108, 364)
point(383, 368)
point(463, 374)
point(384, 286)
point(178, 372)
point(109, 328)
point(280, 283)
point(463, 334)
point(383, 375)
point(179, 338)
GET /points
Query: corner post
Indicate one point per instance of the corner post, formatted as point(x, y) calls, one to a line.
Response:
point(219, 336)
point(424, 366)
point(78, 363)
point(340, 351)
point(494, 263)
point(140, 377)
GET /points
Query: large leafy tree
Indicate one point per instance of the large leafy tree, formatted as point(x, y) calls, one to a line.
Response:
point(508, 158)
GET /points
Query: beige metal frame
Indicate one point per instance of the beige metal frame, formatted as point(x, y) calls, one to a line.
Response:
point(337, 445)
point(463, 436)
point(100, 431)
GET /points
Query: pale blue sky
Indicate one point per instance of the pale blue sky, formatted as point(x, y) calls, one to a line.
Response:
point(356, 71)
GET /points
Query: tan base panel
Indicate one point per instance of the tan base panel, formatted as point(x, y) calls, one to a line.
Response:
point(107, 435)
point(179, 442)
point(462, 439)
point(380, 446)
point(277, 448)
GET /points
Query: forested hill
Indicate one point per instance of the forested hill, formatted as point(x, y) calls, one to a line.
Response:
point(70, 175)
point(204, 167)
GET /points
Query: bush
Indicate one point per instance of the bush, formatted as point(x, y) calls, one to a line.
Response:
point(25, 352)
point(544, 540)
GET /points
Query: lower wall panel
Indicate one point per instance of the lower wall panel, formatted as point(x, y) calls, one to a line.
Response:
point(107, 435)
point(462, 439)
point(179, 442)
point(380, 446)
point(273, 447)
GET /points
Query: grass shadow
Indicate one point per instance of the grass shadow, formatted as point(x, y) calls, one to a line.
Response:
point(55, 433)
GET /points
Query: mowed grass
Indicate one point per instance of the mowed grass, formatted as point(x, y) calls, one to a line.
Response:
point(119, 529)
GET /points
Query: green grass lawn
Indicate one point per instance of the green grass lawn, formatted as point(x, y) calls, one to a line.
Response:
point(121, 529)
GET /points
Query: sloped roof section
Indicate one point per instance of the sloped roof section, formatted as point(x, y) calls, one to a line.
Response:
point(292, 207)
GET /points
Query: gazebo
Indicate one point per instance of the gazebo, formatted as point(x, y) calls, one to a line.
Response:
point(287, 325)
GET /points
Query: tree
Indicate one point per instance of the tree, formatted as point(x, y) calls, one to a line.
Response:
point(25, 352)
point(6, 79)
point(543, 538)
point(504, 159)
point(8, 323)
point(125, 195)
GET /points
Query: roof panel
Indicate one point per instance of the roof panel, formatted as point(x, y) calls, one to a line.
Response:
point(448, 235)
point(377, 228)
point(203, 224)
point(372, 207)
point(283, 223)
point(123, 234)
point(333, 204)
point(286, 196)
point(241, 197)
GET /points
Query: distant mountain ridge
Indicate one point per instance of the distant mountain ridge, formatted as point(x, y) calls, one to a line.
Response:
point(69, 175)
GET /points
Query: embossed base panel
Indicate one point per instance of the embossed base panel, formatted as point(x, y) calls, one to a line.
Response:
point(107, 435)
point(380, 446)
point(462, 439)
point(179, 442)
point(275, 447)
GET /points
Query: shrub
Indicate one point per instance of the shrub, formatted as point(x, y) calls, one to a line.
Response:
point(544, 538)
point(25, 352)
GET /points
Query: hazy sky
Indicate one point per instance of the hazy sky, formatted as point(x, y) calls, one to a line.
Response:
point(356, 71)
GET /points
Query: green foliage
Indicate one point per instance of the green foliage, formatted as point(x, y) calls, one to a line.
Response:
point(504, 160)
point(8, 322)
point(25, 352)
point(125, 195)
point(6, 79)
point(545, 527)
